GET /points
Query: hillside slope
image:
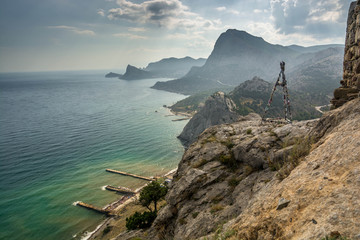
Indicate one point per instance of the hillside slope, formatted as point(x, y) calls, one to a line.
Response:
point(230, 182)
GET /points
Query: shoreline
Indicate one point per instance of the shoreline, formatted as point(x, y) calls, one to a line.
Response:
point(117, 206)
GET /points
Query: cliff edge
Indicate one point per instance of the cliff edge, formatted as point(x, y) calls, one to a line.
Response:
point(266, 180)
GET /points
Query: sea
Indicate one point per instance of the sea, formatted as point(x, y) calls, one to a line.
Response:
point(59, 131)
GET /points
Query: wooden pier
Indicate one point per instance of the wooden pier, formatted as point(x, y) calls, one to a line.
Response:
point(119, 189)
point(96, 209)
point(129, 174)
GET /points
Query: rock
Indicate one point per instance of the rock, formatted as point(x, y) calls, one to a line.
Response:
point(218, 109)
point(283, 203)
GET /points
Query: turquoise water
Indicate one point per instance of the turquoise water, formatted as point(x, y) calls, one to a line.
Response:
point(59, 131)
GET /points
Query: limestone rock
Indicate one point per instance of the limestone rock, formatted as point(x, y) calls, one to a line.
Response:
point(218, 109)
point(283, 203)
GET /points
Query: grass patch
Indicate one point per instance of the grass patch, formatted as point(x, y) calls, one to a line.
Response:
point(216, 208)
point(199, 163)
point(182, 221)
point(228, 160)
point(217, 199)
point(228, 143)
point(233, 182)
point(300, 150)
point(194, 214)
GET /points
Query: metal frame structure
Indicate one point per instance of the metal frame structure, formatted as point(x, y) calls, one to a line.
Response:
point(283, 83)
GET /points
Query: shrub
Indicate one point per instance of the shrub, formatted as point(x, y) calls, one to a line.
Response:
point(140, 220)
point(107, 229)
point(248, 131)
point(195, 214)
point(233, 182)
point(228, 160)
point(300, 150)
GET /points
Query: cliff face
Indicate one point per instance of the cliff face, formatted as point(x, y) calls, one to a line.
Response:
point(218, 109)
point(265, 180)
point(350, 85)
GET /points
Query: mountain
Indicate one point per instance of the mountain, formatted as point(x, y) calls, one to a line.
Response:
point(316, 48)
point(113, 75)
point(165, 68)
point(319, 73)
point(238, 56)
point(174, 67)
point(134, 73)
point(249, 97)
point(218, 109)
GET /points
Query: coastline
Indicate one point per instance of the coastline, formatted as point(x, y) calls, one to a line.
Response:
point(117, 206)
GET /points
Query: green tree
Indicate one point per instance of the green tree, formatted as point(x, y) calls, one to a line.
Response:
point(152, 193)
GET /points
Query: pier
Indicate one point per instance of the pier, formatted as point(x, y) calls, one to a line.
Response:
point(119, 189)
point(96, 209)
point(131, 175)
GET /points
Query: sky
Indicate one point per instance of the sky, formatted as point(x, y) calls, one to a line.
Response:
point(52, 35)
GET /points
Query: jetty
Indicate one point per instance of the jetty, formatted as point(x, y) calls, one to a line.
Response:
point(130, 174)
point(119, 189)
point(96, 209)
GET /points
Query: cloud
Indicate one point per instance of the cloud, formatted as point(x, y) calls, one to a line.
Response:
point(224, 9)
point(75, 30)
point(129, 35)
point(137, 29)
point(163, 13)
point(220, 9)
point(101, 12)
point(321, 18)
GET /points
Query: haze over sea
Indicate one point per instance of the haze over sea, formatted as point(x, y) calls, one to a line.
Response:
point(59, 131)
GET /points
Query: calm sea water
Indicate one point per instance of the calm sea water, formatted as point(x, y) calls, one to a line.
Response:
point(59, 131)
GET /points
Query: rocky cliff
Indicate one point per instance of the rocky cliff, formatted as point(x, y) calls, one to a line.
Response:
point(350, 85)
point(267, 180)
point(218, 109)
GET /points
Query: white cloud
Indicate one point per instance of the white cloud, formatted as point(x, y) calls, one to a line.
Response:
point(220, 9)
point(224, 9)
point(133, 29)
point(321, 18)
point(164, 13)
point(101, 12)
point(75, 30)
point(129, 36)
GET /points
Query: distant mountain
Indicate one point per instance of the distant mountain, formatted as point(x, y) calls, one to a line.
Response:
point(174, 67)
point(165, 68)
point(316, 48)
point(238, 56)
point(134, 73)
point(320, 73)
point(113, 75)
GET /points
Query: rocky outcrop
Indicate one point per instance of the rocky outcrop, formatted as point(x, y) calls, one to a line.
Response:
point(218, 109)
point(113, 75)
point(134, 73)
point(222, 172)
point(229, 182)
point(350, 85)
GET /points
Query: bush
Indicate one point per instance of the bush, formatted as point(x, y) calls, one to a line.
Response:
point(140, 220)
point(248, 131)
point(152, 193)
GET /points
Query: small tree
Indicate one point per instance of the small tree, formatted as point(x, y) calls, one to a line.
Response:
point(153, 192)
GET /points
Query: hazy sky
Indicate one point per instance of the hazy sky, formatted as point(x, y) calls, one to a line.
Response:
point(42, 35)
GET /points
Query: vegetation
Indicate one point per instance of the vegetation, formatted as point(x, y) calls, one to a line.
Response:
point(248, 131)
point(215, 208)
point(228, 160)
point(107, 229)
point(150, 194)
point(300, 149)
point(140, 220)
